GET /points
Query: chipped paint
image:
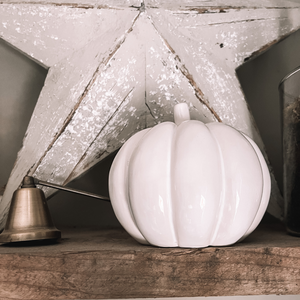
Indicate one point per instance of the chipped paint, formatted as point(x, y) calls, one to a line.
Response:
point(116, 68)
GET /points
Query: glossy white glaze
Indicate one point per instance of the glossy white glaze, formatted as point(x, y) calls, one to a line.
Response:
point(189, 184)
point(266, 189)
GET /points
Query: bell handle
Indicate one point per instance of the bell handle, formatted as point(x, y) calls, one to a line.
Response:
point(66, 189)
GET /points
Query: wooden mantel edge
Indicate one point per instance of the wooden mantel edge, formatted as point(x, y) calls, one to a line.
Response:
point(108, 263)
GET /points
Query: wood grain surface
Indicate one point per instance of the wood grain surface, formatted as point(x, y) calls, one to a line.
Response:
point(108, 263)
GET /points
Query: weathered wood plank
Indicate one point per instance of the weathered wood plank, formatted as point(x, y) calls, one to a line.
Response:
point(117, 67)
point(66, 86)
point(158, 86)
point(97, 264)
point(50, 33)
point(85, 4)
point(218, 6)
point(218, 43)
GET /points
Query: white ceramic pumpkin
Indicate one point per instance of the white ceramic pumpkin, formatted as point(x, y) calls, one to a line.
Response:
point(189, 184)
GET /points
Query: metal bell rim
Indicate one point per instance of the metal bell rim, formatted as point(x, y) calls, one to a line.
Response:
point(9, 236)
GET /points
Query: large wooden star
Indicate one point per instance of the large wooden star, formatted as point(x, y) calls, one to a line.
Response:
point(116, 67)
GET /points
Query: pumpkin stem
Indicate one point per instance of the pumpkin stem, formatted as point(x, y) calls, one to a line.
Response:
point(181, 113)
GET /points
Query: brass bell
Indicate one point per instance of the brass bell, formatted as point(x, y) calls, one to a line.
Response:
point(29, 218)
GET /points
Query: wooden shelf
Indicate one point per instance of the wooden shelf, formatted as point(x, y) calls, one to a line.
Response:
point(108, 263)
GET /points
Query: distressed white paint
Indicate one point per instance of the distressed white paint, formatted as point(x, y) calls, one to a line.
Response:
point(64, 90)
point(50, 33)
point(116, 67)
point(161, 86)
